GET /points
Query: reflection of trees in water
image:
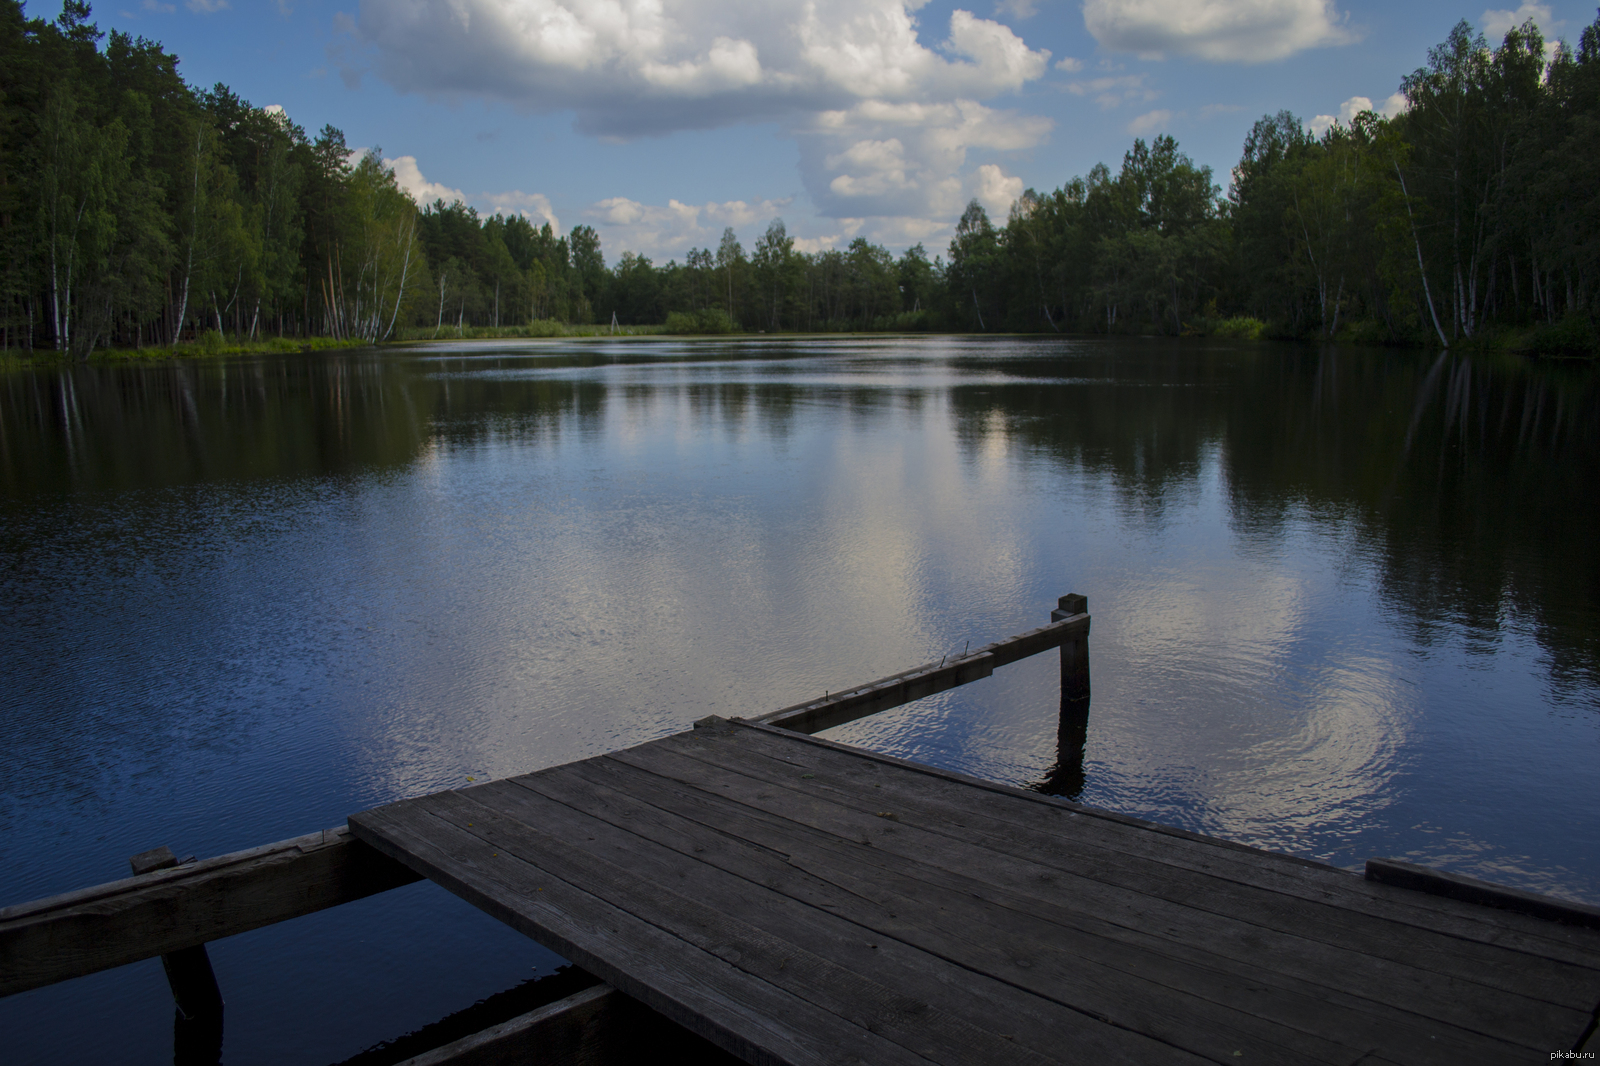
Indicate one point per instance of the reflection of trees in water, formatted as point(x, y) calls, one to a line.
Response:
point(1469, 480)
point(116, 428)
point(1472, 480)
point(1146, 436)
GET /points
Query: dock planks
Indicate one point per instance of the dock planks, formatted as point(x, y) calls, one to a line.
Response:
point(800, 901)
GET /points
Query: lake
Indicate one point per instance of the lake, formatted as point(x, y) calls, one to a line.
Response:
point(1346, 604)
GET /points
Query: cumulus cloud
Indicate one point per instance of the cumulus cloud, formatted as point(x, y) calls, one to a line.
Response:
point(1222, 31)
point(630, 67)
point(884, 119)
point(1353, 107)
point(1150, 122)
point(534, 206)
point(1017, 9)
point(662, 232)
point(1498, 22)
point(1114, 90)
point(995, 190)
point(903, 160)
point(408, 175)
point(1069, 64)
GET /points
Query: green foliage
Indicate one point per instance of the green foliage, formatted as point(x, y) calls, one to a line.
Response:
point(706, 320)
point(1572, 335)
point(136, 211)
point(1240, 327)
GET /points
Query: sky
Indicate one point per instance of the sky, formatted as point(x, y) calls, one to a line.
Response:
point(661, 122)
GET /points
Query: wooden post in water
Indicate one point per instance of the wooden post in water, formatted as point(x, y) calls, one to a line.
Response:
point(197, 1028)
point(1074, 652)
point(1066, 778)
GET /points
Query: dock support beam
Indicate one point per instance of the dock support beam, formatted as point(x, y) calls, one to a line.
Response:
point(197, 1026)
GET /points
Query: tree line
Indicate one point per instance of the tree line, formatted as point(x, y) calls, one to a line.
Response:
point(136, 210)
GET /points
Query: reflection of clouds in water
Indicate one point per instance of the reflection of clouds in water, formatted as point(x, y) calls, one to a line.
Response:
point(1285, 737)
point(1461, 853)
point(610, 622)
point(1331, 764)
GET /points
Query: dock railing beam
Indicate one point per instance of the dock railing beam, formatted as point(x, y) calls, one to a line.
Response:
point(1068, 630)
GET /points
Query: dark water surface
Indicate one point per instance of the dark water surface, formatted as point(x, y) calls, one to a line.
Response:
point(1346, 603)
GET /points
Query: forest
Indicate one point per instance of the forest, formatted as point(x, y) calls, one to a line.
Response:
point(137, 211)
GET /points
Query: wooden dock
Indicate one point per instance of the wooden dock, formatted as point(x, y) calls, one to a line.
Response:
point(794, 900)
point(799, 901)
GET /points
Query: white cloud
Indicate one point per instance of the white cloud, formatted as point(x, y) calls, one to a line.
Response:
point(1069, 64)
point(1114, 90)
point(662, 232)
point(206, 7)
point(813, 245)
point(1353, 107)
point(1150, 122)
point(1017, 9)
point(995, 190)
point(157, 7)
point(408, 175)
point(884, 120)
point(1497, 23)
point(631, 67)
point(904, 160)
point(1222, 31)
point(533, 206)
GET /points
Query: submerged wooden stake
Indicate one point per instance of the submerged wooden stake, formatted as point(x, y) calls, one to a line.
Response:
point(197, 1029)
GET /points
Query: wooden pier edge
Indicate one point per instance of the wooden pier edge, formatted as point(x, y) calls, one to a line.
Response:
point(1403, 874)
point(141, 917)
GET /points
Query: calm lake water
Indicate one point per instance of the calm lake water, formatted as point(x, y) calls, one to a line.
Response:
point(1346, 604)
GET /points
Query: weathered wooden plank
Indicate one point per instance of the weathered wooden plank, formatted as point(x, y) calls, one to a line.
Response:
point(92, 929)
point(720, 922)
point(1222, 881)
point(1210, 856)
point(969, 921)
point(698, 989)
point(1379, 962)
point(898, 689)
point(1189, 1003)
point(1403, 874)
point(755, 885)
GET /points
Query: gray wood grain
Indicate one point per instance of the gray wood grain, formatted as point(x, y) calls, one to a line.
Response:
point(799, 901)
point(1383, 958)
point(1285, 874)
point(1183, 993)
point(819, 918)
point(699, 990)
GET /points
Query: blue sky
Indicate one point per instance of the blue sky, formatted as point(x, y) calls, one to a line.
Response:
point(659, 122)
